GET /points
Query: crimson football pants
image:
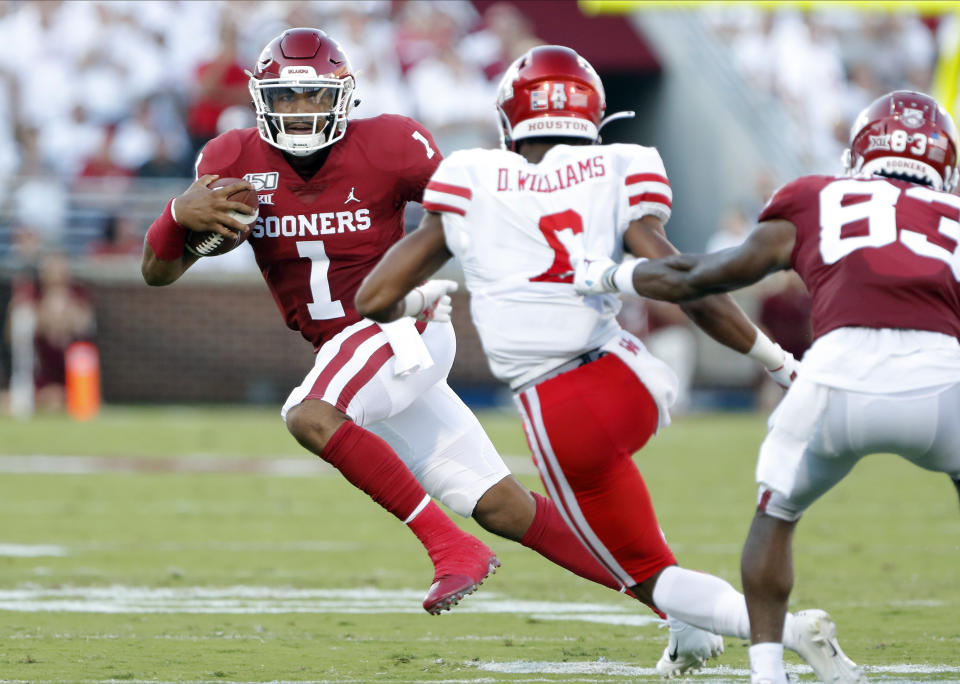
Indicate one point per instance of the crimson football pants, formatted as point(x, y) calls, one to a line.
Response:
point(583, 427)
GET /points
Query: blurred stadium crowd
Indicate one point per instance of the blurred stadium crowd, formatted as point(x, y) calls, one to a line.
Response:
point(104, 105)
point(124, 90)
point(95, 95)
point(825, 65)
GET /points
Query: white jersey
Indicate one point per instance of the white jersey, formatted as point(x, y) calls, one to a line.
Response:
point(501, 216)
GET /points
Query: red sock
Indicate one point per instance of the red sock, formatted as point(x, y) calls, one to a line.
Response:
point(372, 466)
point(550, 536)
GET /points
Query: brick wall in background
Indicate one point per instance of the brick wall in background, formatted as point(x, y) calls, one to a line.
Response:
point(215, 342)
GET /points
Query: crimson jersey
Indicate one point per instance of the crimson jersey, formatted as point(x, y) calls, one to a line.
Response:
point(875, 253)
point(316, 240)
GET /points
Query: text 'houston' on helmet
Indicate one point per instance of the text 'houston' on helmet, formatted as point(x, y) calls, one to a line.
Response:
point(907, 135)
point(550, 91)
point(302, 88)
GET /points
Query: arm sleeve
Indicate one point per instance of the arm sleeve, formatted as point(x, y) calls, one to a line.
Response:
point(646, 188)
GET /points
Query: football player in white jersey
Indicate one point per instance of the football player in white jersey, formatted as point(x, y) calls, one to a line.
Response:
point(589, 392)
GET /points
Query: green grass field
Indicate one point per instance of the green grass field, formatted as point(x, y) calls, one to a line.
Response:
point(203, 545)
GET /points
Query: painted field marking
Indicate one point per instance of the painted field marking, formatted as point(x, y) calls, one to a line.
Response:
point(714, 675)
point(31, 550)
point(292, 466)
point(251, 599)
point(723, 672)
point(312, 545)
point(419, 680)
point(43, 464)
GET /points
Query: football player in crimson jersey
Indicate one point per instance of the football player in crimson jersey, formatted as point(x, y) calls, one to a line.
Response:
point(376, 404)
point(878, 250)
point(589, 393)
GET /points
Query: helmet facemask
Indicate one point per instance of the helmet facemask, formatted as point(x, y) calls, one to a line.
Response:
point(317, 109)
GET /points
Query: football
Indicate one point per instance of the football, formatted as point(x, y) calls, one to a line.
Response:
point(210, 243)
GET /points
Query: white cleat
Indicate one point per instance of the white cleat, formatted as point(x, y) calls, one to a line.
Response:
point(815, 637)
point(688, 650)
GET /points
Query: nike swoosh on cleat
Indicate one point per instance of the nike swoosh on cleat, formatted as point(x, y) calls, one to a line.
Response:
point(673, 655)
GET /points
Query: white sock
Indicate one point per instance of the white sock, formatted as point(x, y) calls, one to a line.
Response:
point(708, 602)
point(702, 600)
point(766, 662)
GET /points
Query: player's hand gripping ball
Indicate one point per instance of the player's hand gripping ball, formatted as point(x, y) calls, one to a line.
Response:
point(211, 243)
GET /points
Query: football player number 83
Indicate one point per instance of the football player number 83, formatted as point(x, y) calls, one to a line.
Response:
point(880, 212)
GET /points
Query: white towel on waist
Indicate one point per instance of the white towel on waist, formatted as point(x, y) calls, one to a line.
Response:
point(410, 353)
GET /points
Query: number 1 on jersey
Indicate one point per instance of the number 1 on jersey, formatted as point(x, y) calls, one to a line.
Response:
point(322, 307)
point(417, 135)
point(560, 271)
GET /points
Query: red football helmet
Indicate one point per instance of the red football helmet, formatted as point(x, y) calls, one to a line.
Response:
point(302, 61)
point(907, 135)
point(551, 91)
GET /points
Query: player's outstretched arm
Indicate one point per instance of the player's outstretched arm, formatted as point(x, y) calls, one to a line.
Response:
point(679, 277)
point(683, 277)
point(199, 209)
point(383, 295)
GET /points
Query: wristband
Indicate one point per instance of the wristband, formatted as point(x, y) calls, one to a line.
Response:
point(766, 352)
point(622, 277)
point(167, 237)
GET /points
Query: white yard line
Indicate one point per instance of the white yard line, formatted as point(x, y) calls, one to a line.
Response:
point(254, 599)
point(590, 670)
point(606, 667)
point(31, 550)
point(42, 464)
point(722, 673)
point(243, 599)
point(419, 680)
point(305, 466)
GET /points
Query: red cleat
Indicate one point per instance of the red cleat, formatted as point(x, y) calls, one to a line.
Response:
point(459, 578)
